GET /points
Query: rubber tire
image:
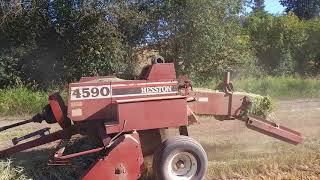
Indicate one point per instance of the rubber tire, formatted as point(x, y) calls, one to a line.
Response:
point(174, 145)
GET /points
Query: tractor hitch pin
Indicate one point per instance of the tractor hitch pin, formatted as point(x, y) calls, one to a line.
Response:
point(41, 133)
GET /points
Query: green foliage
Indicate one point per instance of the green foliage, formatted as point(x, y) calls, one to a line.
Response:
point(95, 50)
point(280, 87)
point(262, 106)
point(302, 8)
point(20, 26)
point(60, 41)
point(285, 45)
point(9, 73)
point(22, 101)
point(258, 5)
point(202, 43)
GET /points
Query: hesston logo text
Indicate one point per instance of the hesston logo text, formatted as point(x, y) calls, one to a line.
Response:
point(160, 89)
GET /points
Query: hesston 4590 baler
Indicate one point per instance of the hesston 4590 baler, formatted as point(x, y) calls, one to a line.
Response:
point(129, 119)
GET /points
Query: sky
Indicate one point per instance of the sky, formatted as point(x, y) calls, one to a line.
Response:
point(273, 6)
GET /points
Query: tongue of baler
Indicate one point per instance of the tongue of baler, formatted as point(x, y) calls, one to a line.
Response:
point(228, 105)
point(274, 130)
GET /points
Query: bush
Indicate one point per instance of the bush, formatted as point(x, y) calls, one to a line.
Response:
point(9, 73)
point(280, 87)
point(22, 101)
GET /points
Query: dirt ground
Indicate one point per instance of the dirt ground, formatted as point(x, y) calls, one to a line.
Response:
point(235, 152)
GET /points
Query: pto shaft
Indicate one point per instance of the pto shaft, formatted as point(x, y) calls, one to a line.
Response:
point(16, 124)
point(37, 118)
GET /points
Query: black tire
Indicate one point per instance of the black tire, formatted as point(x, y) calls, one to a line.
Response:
point(184, 152)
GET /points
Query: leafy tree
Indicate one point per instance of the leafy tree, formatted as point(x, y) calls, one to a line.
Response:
point(100, 37)
point(311, 52)
point(278, 42)
point(199, 36)
point(21, 32)
point(258, 5)
point(305, 9)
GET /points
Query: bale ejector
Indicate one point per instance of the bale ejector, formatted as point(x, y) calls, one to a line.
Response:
point(129, 118)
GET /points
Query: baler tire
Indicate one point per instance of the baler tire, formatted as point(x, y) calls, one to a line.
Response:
point(186, 151)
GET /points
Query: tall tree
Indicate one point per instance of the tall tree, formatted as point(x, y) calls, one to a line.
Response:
point(201, 36)
point(258, 5)
point(304, 9)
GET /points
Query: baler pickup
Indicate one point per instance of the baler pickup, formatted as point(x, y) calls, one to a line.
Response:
point(274, 130)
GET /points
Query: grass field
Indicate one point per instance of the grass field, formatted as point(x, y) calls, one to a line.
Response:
point(280, 87)
point(276, 87)
point(234, 152)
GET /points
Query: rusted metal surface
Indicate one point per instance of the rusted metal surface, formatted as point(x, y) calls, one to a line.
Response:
point(123, 161)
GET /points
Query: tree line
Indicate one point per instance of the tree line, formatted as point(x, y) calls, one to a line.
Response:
point(51, 42)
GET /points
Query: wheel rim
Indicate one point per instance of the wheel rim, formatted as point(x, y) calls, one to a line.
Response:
point(182, 166)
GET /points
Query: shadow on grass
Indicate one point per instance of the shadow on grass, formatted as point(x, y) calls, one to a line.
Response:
point(34, 163)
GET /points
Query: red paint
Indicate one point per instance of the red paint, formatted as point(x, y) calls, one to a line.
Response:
point(124, 161)
point(59, 110)
point(216, 103)
point(161, 71)
point(150, 113)
point(274, 130)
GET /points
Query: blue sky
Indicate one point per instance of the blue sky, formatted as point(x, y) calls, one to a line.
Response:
point(272, 6)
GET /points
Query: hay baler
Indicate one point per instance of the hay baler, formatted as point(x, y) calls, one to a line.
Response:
point(129, 120)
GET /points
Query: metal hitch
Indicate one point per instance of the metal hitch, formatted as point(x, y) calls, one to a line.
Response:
point(274, 130)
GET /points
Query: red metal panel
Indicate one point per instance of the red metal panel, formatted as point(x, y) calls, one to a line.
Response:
point(59, 110)
point(150, 113)
point(216, 103)
point(274, 130)
point(89, 109)
point(124, 161)
point(161, 71)
point(104, 108)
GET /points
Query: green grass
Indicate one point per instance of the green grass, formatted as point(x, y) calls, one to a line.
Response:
point(275, 87)
point(280, 87)
point(21, 101)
